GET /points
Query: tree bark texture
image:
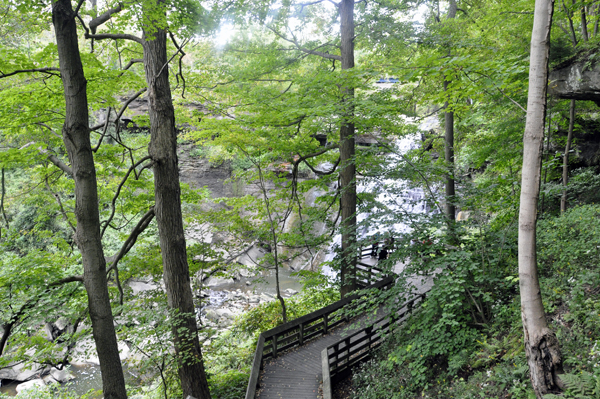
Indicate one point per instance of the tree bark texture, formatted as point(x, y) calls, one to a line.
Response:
point(541, 346)
point(76, 136)
point(347, 152)
point(449, 140)
point(163, 144)
point(449, 158)
point(565, 171)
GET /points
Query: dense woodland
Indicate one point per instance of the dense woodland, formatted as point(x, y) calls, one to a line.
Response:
point(284, 95)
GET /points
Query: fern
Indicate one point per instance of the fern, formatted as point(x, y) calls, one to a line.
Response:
point(579, 386)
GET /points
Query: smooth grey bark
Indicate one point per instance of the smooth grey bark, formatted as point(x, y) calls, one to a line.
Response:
point(76, 136)
point(347, 153)
point(541, 345)
point(565, 171)
point(162, 150)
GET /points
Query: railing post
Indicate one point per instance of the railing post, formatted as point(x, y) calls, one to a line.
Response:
point(274, 343)
point(301, 332)
point(327, 394)
point(325, 318)
point(347, 341)
point(369, 331)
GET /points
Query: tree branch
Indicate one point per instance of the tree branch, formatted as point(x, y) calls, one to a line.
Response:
point(180, 73)
point(127, 245)
point(70, 279)
point(60, 204)
point(114, 36)
point(131, 62)
point(48, 70)
point(107, 120)
point(305, 50)
point(79, 6)
point(102, 18)
point(119, 187)
point(123, 108)
point(57, 162)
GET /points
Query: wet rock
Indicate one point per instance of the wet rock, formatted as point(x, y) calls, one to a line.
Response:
point(26, 371)
point(225, 313)
point(140, 286)
point(8, 374)
point(38, 382)
point(212, 315)
point(215, 281)
point(61, 375)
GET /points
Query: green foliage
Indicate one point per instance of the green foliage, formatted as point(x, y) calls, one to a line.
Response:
point(585, 386)
point(268, 315)
point(229, 385)
point(51, 392)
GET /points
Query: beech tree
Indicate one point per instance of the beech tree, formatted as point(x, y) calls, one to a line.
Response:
point(541, 345)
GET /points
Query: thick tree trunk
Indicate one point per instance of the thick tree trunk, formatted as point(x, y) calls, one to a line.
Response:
point(541, 345)
point(163, 145)
point(347, 149)
point(76, 136)
point(565, 171)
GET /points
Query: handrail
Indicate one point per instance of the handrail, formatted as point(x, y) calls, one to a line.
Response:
point(296, 332)
point(341, 356)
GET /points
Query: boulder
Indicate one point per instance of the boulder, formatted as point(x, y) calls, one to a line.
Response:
point(8, 374)
point(61, 375)
point(140, 286)
point(225, 313)
point(38, 382)
point(215, 281)
point(212, 315)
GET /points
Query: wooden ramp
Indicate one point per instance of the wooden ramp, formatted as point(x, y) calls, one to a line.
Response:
point(288, 362)
point(297, 374)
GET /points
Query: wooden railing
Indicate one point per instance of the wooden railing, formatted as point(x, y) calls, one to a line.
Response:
point(297, 332)
point(338, 359)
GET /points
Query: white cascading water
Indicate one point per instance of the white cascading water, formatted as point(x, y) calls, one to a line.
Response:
point(410, 200)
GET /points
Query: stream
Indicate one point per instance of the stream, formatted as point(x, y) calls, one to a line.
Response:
point(409, 201)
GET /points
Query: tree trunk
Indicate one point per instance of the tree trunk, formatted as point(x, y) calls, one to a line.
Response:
point(162, 149)
point(449, 141)
point(541, 346)
point(347, 150)
point(449, 157)
point(584, 31)
point(565, 172)
point(76, 136)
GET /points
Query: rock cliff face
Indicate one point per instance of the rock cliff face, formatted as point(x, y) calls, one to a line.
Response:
point(577, 80)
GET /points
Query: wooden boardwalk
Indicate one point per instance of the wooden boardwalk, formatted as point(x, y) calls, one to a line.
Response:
point(297, 374)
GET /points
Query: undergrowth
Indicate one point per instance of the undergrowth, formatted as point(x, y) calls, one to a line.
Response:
point(465, 341)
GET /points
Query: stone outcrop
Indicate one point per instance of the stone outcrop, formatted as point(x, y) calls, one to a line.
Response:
point(578, 80)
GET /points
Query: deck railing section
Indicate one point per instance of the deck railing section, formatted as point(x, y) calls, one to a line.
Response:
point(339, 358)
point(298, 331)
